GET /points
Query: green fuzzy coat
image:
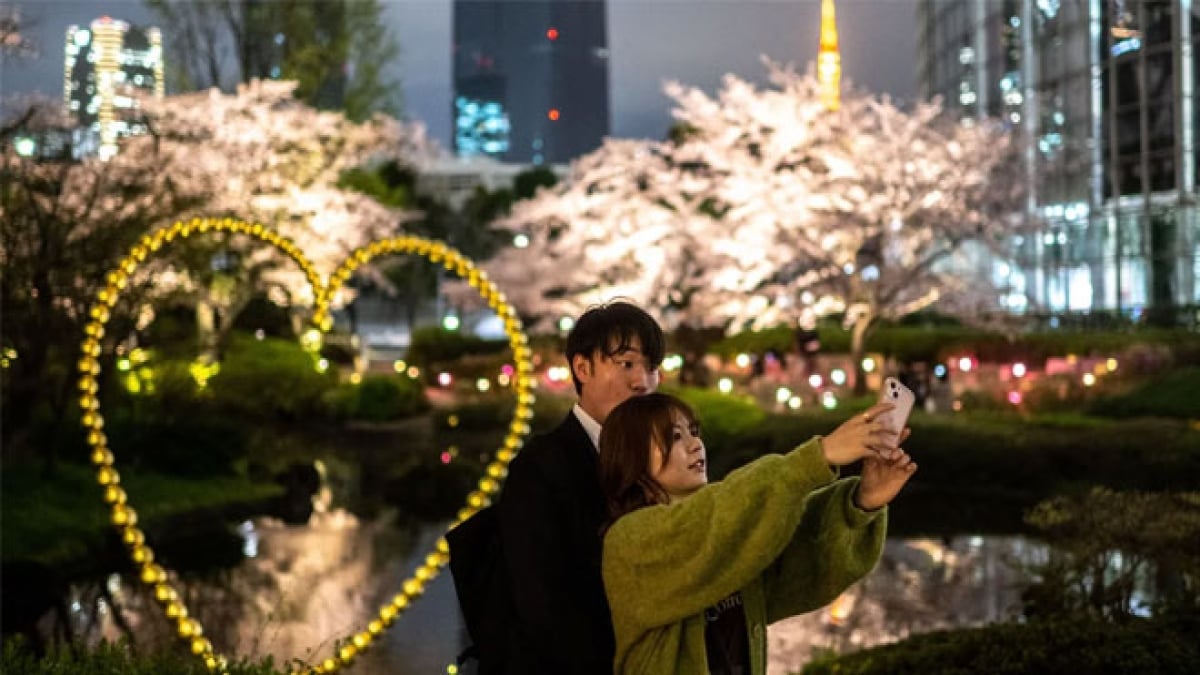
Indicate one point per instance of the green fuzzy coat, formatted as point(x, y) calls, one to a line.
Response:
point(781, 530)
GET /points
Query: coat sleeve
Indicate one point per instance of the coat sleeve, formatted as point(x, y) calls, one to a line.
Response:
point(835, 545)
point(665, 563)
point(552, 623)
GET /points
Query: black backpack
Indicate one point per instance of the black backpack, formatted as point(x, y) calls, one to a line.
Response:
point(484, 590)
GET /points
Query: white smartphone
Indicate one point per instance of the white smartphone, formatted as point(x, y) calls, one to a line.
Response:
point(900, 396)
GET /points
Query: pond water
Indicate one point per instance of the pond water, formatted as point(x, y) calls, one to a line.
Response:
point(292, 590)
point(300, 588)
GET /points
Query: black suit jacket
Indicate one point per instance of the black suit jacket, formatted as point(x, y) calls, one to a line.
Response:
point(551, 511)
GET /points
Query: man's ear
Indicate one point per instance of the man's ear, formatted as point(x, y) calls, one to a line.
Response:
point(581, 366)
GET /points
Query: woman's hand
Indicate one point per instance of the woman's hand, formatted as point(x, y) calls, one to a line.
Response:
point(883, 478)
point(860, 436)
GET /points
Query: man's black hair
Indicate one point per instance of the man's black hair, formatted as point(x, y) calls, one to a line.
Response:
point(610, 329)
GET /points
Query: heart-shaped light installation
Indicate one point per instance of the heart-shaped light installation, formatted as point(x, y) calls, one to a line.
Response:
point(123, 515)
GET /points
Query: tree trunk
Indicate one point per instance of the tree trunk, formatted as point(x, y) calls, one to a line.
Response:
point(206, 329)
point(858, 343)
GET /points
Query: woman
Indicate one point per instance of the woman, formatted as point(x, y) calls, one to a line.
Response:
point(694, 574)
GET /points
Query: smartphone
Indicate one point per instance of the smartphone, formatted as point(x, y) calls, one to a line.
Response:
point(900, 396)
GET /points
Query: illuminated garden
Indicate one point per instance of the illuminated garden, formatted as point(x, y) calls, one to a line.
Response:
point(253, 370)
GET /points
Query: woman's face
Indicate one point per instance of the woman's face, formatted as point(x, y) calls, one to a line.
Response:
point(685, 469)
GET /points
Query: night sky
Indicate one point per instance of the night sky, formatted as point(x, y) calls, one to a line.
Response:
point(650, 41)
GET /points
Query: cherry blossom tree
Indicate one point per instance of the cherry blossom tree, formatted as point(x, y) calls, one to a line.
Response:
point(257, 155)
point(263, 156)
point(625, 222)
point(765, 206)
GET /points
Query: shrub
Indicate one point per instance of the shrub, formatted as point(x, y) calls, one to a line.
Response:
point(378, 398)
point(1176, 394)
point(482, 415)
point(981, 472)
point(722, 416)
point(931, 342)
point(432, 346)
point(495, 412)
point(269, 378)
point(1106, 544)
point(1078, 645)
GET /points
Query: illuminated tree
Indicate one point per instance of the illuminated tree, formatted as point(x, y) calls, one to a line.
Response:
point(766, 205)
point(257, 155)
point(261, 155)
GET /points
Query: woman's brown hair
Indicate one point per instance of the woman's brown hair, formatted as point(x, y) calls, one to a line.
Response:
point(629, 433)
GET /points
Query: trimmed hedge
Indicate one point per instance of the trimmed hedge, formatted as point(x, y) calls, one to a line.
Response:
point(1078, 645)
point(981, 472)
point(930, 343)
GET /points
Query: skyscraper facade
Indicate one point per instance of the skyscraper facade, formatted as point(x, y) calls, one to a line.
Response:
point(530, 79)
point(106, 65)
point(1102, 94)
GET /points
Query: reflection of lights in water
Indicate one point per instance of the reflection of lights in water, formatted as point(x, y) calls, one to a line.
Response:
point(920, 585)
point(935, 550)
point(841, 608)
point(249, 539)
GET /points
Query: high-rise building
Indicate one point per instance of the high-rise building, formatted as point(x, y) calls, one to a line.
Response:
point(107, 65)
point(530, 79)
point(1102, 94)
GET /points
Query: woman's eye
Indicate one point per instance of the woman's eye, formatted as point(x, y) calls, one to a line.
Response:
point(677, 436)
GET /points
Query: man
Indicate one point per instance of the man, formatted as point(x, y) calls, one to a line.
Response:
point(551, 509)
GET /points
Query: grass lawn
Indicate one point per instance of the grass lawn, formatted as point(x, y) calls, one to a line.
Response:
point(61, 519)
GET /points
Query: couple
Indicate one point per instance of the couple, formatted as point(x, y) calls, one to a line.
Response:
point(621, 557)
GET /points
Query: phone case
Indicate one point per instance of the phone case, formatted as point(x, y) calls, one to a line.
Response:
point(902, 397)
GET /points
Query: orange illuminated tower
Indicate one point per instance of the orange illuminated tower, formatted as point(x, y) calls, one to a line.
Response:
point(829, 59)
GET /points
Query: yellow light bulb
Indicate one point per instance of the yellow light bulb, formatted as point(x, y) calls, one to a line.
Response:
point(201, 646)
point(114, 495)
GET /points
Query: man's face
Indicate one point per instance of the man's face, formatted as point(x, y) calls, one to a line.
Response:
point(609, 381)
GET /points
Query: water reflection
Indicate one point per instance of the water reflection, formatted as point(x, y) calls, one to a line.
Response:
point(299, 589)
point(302, 587)
point(920, 585)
